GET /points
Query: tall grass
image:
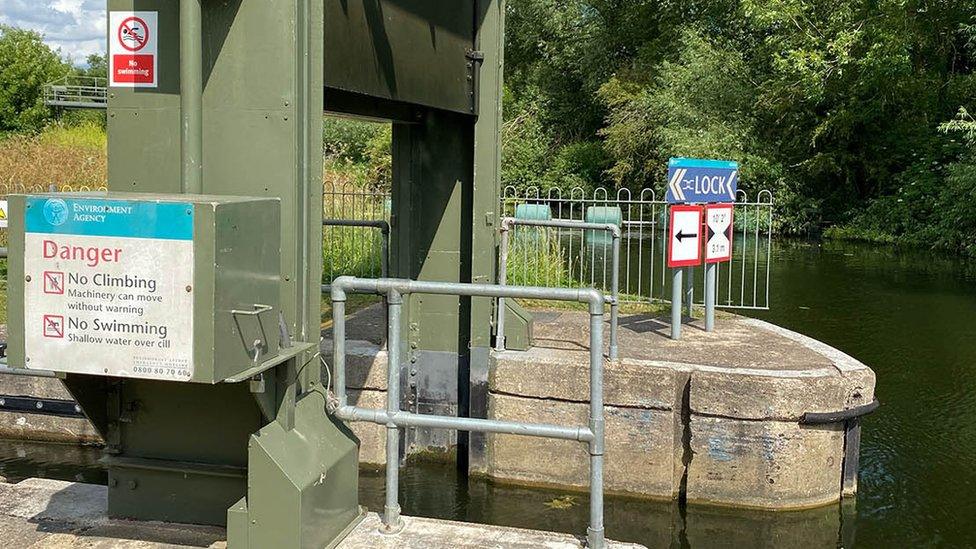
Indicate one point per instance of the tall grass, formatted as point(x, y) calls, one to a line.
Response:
point(535, 258)
point(72, 157)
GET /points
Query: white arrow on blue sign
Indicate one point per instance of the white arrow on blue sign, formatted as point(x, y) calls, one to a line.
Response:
point(698, 181)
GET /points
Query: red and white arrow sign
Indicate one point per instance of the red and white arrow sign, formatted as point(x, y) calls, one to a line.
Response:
point(684, 243)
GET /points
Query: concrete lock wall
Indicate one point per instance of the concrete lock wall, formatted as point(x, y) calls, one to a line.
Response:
point(17, 425)
point(724, 434)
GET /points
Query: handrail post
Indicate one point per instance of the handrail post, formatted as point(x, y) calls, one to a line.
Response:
point(339, 342)
point(391, 512)
point(617, 235)
point(595, 531)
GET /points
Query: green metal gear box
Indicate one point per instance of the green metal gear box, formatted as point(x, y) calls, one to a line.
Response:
point(149, 286)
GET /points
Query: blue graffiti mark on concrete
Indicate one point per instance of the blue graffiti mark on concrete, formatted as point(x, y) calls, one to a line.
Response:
point(718, 450)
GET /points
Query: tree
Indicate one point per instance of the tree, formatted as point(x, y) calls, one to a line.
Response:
point(26, 64)
point(97, 66)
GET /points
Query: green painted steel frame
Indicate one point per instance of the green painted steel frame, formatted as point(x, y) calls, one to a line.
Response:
point(174, 448)
point(245, 120)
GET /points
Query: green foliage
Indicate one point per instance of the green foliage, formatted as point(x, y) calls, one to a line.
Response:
point(26, 64)
point(531, 158)
point(833, 106)
point(700, 105)
point(351, 251)
point(359, 150)
point(934, 205)
point(97, 66)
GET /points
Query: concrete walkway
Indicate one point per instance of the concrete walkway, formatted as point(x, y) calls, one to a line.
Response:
point(40, 513)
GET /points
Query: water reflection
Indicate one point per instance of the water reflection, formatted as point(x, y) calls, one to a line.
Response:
point(20, 460)
point(438, 491)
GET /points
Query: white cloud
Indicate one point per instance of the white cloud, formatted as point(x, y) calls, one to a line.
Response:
point(76, 27)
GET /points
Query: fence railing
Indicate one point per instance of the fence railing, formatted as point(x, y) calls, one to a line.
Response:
point(80, 92)
point(575, 257)
point(561, 257)
point(591, 434)
point(614, 299)
point(353, 250)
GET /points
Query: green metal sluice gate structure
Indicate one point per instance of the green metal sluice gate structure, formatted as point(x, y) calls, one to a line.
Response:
point(181, 308)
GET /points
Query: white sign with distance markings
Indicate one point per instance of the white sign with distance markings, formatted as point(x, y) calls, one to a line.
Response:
point(718, 222)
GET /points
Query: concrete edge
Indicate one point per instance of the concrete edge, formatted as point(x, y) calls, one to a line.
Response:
point(689, 367)
point(841, 360)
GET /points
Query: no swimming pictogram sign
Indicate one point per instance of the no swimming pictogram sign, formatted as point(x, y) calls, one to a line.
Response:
point(133, 53)
point(133, 33)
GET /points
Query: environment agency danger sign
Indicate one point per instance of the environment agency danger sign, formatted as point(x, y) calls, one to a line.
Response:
point(108, 287)
point(133, 54)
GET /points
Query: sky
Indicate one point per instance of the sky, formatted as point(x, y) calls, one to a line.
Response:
point(77, 27)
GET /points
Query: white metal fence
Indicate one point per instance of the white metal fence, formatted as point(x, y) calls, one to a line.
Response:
point(555, 257)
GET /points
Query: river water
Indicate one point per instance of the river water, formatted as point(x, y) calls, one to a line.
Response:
point(909, 315)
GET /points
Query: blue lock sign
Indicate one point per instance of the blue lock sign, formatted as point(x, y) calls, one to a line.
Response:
point(698, 181)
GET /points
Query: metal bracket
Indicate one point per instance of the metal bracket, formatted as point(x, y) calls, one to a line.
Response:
point(40, 406)
point(258, 309)
point(281, 357)
point(474, 60)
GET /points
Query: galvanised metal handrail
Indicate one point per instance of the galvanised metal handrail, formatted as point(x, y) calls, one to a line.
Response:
point(394, 418)
point(384, 229)
point(614, 298)
point(77, 91)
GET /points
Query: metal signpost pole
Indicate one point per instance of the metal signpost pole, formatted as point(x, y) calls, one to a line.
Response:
point(684, 252)
point(718, 249)
point(676, 291)
point(689, 290)
point(710, 296)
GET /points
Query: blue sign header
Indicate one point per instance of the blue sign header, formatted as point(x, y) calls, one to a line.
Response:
point(99, 217)
point(699, 181)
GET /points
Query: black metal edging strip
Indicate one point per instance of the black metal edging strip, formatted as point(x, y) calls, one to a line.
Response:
point(40, 406)
point(822, 418)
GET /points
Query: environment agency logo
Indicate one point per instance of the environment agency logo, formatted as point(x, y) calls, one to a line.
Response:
point(55, 211)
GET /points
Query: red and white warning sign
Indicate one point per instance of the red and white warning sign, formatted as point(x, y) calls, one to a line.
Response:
point(684, 236)
point(718, 223)
point(133, 55)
